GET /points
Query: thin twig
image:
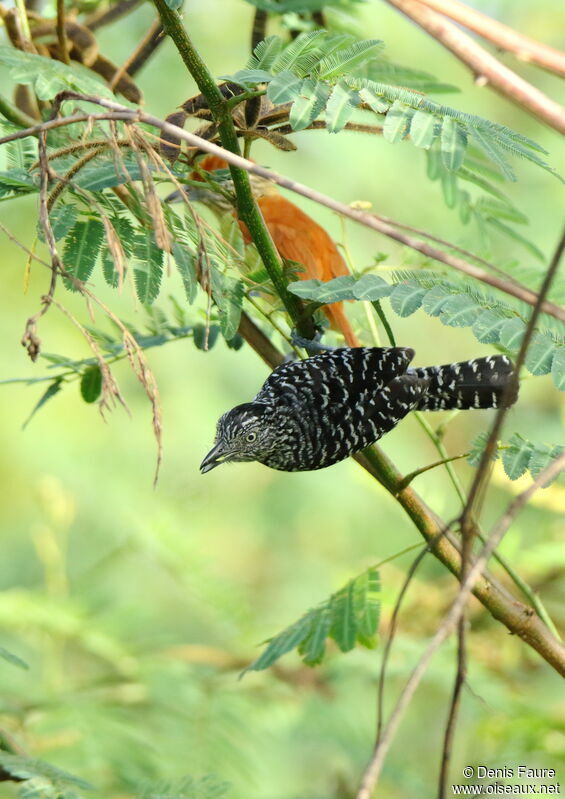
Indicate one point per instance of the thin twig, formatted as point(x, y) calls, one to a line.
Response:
point(501, 35)
point(369, 220)
point(61, 33)
point(371, 775)
point(486, 68)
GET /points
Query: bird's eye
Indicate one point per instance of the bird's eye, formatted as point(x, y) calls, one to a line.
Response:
point(250, 437)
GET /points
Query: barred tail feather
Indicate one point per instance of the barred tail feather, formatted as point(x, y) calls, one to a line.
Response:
point(478, 383)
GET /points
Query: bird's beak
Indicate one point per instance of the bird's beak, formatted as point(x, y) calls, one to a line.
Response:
point(214, 458)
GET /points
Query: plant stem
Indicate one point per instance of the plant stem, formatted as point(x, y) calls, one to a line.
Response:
point(13, 114)
point(247, 208)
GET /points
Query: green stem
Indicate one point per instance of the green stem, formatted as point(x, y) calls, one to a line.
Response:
point(247, 208)
point(518, 581)
point(381, 314)
point(241, 98)
point(13, 114)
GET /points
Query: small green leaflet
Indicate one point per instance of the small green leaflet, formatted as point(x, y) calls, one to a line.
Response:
point(397, 122)
point(62, 219)
point(105, 173)
point(228, 295)
point(186, 264)
point(512, 333)
point(487, 327)
point(558, 368)
point(348, 287)
point(148, 268)
point(80, 252)
point(453, 143)
point(519, 455)
point(51, 390)
point(423, 129)
point(515, 459)
point(200, 339)
point(284, 88)
point(15, 182)
point(13, 659)
point(490, 319)
point(377, 103)
point(459, 311)
point(340, 107)
point(346, 60)
point(406, 299)
point(309, 103)
point(27, 768)
point(91, 384)
point(539, 356)
point(349, 616)
point(265, 53)
point(49, 77)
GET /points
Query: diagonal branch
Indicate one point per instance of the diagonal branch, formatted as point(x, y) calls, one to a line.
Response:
point(451, 619)
point(373, 221)
point(486, 68)
point(501, 35)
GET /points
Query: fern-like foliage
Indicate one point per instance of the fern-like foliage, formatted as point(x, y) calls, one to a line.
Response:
point(349, 616)
point(518, 455)
point(491, 319)
point(45, 780)
point(307, 70)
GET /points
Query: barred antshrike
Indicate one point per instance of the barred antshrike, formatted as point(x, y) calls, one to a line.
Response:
point(313, 413)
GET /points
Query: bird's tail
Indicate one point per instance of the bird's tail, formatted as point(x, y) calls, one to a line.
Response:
point(478, 383)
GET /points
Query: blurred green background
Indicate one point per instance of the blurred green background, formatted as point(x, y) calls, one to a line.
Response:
point(136, 609)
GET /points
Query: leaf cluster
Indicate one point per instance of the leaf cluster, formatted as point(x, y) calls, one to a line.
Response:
point(349, 616)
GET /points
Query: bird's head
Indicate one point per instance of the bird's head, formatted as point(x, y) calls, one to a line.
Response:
point(242, 434)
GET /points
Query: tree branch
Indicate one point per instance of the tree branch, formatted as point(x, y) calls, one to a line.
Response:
point(452, 617)
point(247, 208)
point(501, 35)
point(486, 68)
point(373, 221)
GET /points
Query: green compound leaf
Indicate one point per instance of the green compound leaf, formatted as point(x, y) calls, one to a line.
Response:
point(516, 459)
point(148, 268)
point(345, 61)
point(424, 128)
point(397, 122)
point(488, 325)
point(340, 107)
point(49, 77)
point(62, 219)
point(13, 659)
point(346, 287)
point(91, 384)
point(539, 356)
point(228, 295)
point(349, 616)
point(512, 333)
point(81, 249)
point(309, 103)
point(406, 299)
point(558, 368)
point(453, 143)
point(459, 311)
point(203, 342)
point(266, 52)
point(284, 88)
point(186, 264)
point(27, 768)
point(375, 102)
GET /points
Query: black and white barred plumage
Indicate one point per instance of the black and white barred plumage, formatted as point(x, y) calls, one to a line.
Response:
point(313, 413)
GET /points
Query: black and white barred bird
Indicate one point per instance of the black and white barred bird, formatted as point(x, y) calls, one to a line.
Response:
point(313, 413)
